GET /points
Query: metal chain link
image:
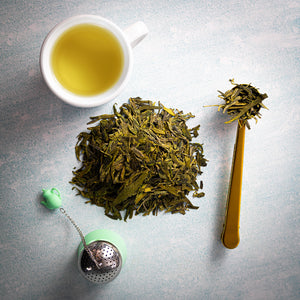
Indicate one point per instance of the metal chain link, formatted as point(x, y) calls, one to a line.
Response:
point(82, 237)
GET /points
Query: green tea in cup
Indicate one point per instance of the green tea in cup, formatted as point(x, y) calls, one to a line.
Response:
point(87, 59)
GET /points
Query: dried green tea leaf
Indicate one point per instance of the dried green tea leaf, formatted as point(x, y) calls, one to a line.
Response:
point(140, 160)
point(243, 102)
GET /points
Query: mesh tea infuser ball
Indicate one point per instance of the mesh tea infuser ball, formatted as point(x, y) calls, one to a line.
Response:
point(108, 249)
point(101, 253)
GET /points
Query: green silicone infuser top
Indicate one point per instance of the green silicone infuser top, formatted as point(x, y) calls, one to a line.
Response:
point(108, 236)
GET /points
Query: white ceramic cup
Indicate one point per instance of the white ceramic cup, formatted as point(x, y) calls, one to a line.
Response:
point(127, 38)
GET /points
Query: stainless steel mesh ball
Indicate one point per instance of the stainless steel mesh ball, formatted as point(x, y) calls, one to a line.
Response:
point(109, 262)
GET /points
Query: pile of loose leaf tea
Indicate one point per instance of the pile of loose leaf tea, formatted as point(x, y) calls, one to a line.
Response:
point(243, 102)
point(139, 159)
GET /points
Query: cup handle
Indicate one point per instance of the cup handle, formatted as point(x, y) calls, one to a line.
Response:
point(136, 32)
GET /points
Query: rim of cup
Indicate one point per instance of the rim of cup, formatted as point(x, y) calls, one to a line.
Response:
point(50, 78)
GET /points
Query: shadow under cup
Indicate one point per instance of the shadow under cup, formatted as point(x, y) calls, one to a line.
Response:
point(88, 44)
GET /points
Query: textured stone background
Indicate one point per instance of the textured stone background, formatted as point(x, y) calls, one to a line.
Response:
point(193, 48)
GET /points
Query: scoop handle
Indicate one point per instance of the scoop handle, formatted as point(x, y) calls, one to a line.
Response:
point(230, 235)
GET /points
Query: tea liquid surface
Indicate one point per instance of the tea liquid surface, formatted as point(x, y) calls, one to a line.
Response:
point(87, 60)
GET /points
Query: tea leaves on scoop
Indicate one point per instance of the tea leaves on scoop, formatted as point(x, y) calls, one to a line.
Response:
point(243, 102)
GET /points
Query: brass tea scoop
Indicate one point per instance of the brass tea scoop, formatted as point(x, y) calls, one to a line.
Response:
point(230, 235)
point(243, 102)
